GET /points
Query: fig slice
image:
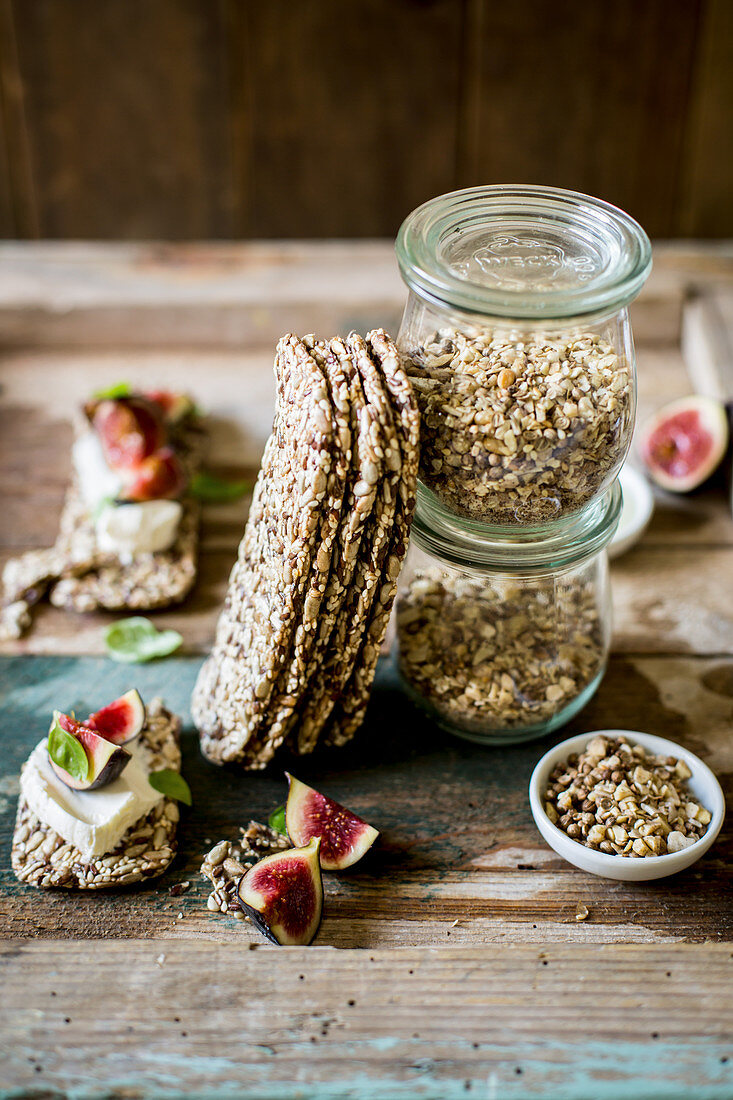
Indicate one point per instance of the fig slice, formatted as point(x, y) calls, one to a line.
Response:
point(685, 442)
point(120, 721)
point(130, 429)
point(345, 838)
point(283, 895)
point(105, 761)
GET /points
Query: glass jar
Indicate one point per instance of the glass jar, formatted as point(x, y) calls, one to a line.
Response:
point(518, 342)
point(504, 639)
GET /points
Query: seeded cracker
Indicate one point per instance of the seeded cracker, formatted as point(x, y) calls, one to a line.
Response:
point(42, 858)
point(267, 586)
point(280, 712)
point(347, 635)
point(80, 577)
point(349, 714)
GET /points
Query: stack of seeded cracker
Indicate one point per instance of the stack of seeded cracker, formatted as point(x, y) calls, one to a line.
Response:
point(310, 596)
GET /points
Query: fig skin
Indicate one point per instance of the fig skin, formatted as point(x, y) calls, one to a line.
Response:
point(283, 895)
point(120, 721)
point(130, 429)
point(107, 761)
point(683, 444)
point(176, 406)
point(345, 838)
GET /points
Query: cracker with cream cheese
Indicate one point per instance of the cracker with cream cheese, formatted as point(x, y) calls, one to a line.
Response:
point(42, 858)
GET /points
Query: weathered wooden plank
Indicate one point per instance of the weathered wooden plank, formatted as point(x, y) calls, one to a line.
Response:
point(458, 843)
point(244, 295)
point(517, 132)
point(149, 158)
point(206, 1018)
point(336, 142)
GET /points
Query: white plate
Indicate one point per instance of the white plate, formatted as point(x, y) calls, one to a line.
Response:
point(703, 784)
point(637, 510)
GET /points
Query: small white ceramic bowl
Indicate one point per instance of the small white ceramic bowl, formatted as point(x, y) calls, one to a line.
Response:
point(636, 511)
point(702, 784)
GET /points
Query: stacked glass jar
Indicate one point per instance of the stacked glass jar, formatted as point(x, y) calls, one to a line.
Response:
point(517, 338)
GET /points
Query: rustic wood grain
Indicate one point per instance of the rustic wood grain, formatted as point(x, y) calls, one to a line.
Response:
point(462, 968)
point(238, 118)
point(613, 124)
point(150, 156)
point(705, 208)
point(437, 1024)
point(458, 841)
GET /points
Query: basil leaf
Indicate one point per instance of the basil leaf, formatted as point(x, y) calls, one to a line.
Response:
point(136, 640)
point(100, 506)
point(171, 784)
point(119, 389)
point(215, 489)
point(66, 751)
point(276, 820)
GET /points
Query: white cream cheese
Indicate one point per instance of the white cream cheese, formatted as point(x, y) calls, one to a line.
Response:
point(145, 528)
point(93, 821)
point(126, 529)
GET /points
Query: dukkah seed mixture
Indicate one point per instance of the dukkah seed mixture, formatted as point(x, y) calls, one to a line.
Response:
point(617, 798)
point(497, 654)
point(519, 431)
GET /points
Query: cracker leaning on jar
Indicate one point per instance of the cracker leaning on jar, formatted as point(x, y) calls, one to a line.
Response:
point(128, 533)
point(520, 429)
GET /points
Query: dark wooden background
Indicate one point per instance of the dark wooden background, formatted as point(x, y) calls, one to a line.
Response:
point(311, 118)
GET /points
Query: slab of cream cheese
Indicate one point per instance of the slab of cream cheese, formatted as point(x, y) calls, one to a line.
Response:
point(93, 821)
point(126, 529)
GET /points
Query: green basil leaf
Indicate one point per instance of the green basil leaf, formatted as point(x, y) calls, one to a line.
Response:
point(210, 487)
point(119, 389)
point(100, 506)
point(276, 820)
point(66, 751)
point(136, 640)
point(171, 784)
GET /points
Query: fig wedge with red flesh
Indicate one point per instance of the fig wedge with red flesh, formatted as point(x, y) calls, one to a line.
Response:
point(345, 838)
point(283, 895)
point(685, 442)
point(120, 721)
point(130, 429)
point(160, 476)
point(105, 760)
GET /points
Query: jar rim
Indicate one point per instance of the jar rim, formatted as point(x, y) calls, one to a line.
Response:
point(556, 546)
point(522, 251)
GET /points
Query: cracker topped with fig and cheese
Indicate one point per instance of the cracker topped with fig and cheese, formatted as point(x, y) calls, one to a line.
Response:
point(98, 799)
point(129, 528)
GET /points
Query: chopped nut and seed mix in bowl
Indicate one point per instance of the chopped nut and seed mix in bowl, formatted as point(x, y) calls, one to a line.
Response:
point(626, 805)
point(517, 340)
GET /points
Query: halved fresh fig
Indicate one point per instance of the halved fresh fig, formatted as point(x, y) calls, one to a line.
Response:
point(283, 894)
point(105, 760)
point(130, 429)
point(685, 442)
point(345, 838)
point(160, 476)
point(175, 406)
point(120, 721)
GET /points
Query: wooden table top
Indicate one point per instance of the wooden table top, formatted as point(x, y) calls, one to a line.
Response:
point(453, 962)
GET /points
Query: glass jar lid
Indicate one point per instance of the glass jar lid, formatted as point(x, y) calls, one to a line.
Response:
point(523, 252)
point(472, 545)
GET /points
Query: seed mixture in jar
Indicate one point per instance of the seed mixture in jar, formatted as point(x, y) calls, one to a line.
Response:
point(617, 798)
point(495, 654)
point(520, 431)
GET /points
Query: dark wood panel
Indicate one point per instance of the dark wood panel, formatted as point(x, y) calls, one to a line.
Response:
point(587, 96)
point(352, 112)
point(127, 117)
point(190, 118)
point(707, 208)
